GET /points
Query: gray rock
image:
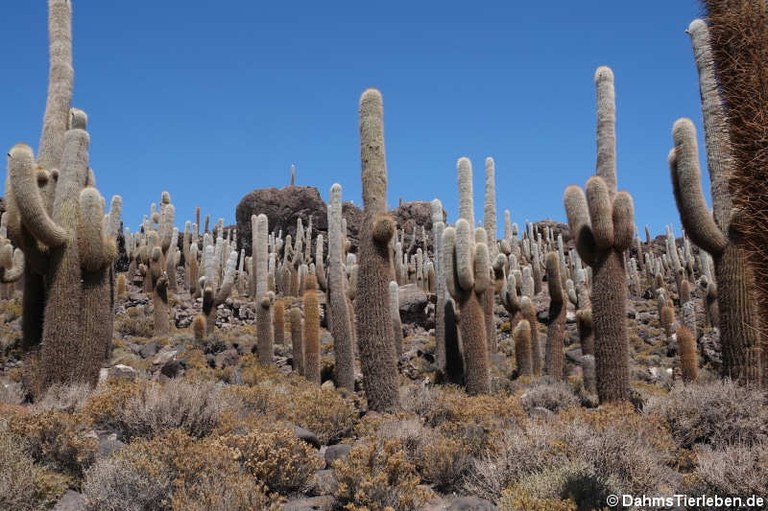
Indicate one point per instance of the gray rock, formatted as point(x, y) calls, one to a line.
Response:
point(71, 501)
point(307, 436)
point(227, 358)
point(109, 445)
point(336, 452)
point(324, 482)
point(122, 372)
point(149, 350)
point(470, 504)
point(164, 356)
point(324, 503)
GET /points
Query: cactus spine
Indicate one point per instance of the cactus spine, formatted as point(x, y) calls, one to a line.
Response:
point(375, 339)
point(341, 326)
point(602, 225)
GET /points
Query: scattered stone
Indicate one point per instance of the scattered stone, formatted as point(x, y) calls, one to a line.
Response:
point(109, 445)
point(336, 452)
point(71, 501)
point(324, 482)
point(122, 372)
point(307, 436)
point(149, 350)
point(323, 503)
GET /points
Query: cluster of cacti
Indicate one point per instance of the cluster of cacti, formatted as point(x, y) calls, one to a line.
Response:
point(67, 246)
point(56, 217)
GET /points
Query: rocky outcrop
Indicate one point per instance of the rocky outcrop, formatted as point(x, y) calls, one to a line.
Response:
point(283, 206)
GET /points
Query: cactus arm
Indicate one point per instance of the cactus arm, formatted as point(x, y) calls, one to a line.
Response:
point(464, 262)
point(229, 279)
point(600, 212)
point(686, 180)
point(623, 215)
point(578, 222)
point(97, 250)
point(22, 178)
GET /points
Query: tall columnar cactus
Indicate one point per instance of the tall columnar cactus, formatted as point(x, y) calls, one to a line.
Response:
point(341, 326)
point(603, 226)
point(689, 360)
point(739, 42)
point(489, 221)
point(311, 331)
point(438, 226)
point(213, 295)
point(523, 353)
point(528, 311)
point(297, 340)
point(375, 339)
point(259, 251)
point(467, 277)
point(721, 236)
point(554, 359)
point(265, 335)
point(278, 321)
point(394, 311)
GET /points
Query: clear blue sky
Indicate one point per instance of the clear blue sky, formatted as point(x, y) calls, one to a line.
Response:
point(209, 100)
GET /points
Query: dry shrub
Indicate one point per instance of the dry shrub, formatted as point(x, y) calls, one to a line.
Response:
point(17, 473)
point(65, 398)
point(173, 471)
point(553, 396)
point(377, 476)
point(439, 459)
point(104, 407)
point(717, 413)
point(293, 399)
point(473, 421)
point(147, 409)
point(123, 484)
point(736, 470)
point(275, 456)
point(518, 453)
point(567, 487)
point(620, 448)
point(58, 439)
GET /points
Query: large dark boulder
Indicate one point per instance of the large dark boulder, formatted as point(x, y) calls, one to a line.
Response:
point(284, 206)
